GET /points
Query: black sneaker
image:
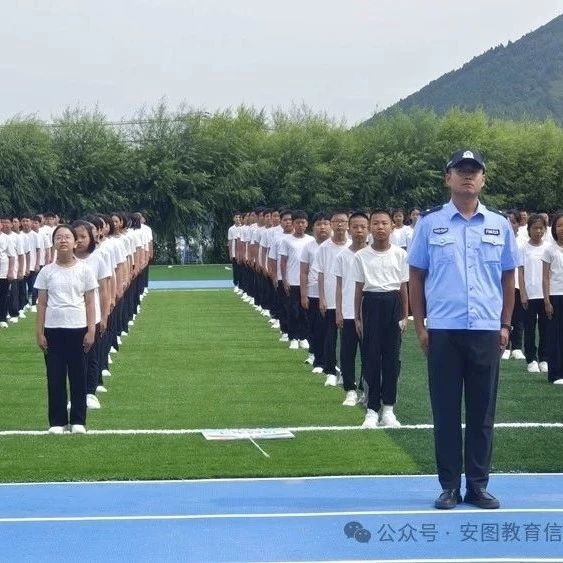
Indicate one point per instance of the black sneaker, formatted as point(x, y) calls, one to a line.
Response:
point(481, 498)
point(449, 498)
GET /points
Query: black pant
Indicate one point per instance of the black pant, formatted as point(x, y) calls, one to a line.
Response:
point(381, 345)
point(463, 362)
point(517, 322)
point(349, 342)
point(297, 318)
point(316, 334)
point(65, 358)
point(93, 369)
point(4, 285)
point(535, 315)
point(283, 308)
point(329, 345)
point(555, 339)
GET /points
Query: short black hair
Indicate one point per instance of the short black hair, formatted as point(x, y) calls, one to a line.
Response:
point(556, 218)
point(320, 216)
point(380, 212)
point(299, 214)
point(358, 214)
point(535, 218)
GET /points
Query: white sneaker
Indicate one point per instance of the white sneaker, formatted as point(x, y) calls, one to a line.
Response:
point(544, 367)
point(22, 315)
point(112, 350)
point(318, 369)
point(101, 389)
point(293, 344)
point(330, 380)
point(558, 382)
point(304, 344)
point(123, 333)
point(3, 324)
point(57, 430)
point(310, 359)
point(92, 402)
point(276, 324)
point(505, 355)
point(110, 361)
point(119, 341)
point(34, 308)
point(284, 337)
point(78, 429)
point(266, 313)
point(389, 419)
point(130, 323)
point(258, 308)
point(517, 355)
point(533, 367)
point(13, 320)
point(106, 373)
point(351, 399)
point(370, 421)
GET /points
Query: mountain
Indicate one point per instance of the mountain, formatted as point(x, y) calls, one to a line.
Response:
point(522, 80)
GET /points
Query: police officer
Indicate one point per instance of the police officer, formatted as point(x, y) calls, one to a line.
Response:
point(462, 260)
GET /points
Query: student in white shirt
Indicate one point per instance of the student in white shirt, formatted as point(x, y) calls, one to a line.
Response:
point(310, 291)
point(531, 294)
point(232, 235)
point(7, 259)
point(345, 293)
point(552, 286)
point(381, 309)
point(291, 250)
point(401, 233)
point(323, 264)
point(65, 330)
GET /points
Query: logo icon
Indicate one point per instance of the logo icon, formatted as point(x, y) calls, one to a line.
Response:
point(357, 531)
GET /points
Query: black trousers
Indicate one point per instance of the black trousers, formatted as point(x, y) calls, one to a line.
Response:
point(297, 318)
point(463, 363)
point(30, 281)
point(65, 358)
point(316, 334)
point(4, 285)
point(555, 340)
point(283, 308)
point(381, 346)
point(349, 343)
point(234, 265)
point(517, 322)
point(534, 316)
point(13, 299)
point(93, 369)
point(329, 345)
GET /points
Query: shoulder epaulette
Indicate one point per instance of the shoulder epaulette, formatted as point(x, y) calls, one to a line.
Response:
point(497, 211)
point(431, 210)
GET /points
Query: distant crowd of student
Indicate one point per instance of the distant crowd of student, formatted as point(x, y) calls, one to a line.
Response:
point(84, 281)
point(350, 276)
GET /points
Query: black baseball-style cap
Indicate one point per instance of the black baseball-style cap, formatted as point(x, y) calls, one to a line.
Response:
point(466, 155)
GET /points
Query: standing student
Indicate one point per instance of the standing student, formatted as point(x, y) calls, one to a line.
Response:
point(291, 250)
point(309, 287)
point(323, 264)
point(65, 330)
point(232, 235)
point(462, 260)
point(531, 294)
point(401, 232)
point(381, 312)
point(7, 259)
point(552, 286)
point(345, 294)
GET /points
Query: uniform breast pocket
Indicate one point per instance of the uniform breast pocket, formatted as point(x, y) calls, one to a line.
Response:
point(491, 248)
point(442, 248)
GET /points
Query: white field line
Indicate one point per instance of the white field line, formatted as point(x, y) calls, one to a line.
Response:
point(270, 515)
point(172, 431)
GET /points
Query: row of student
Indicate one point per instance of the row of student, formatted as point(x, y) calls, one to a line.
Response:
point(538, 289)
point(312, 286)
point(25, 247)
point(87, 298)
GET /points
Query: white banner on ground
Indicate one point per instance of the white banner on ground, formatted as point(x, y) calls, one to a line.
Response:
point(247, 434)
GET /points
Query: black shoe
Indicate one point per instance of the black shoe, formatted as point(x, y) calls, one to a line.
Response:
point(449, 498)
point(481, 498)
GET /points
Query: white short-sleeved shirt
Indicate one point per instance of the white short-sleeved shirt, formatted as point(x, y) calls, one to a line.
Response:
point(7, 251)
point(324, 263)
point(292, 247)
point(274, 252)
point(34, 244)
point(232, 235)
point(66, 306)
point(553, 255)
point(344, 268)
point(101, 269)
point(381, 271)
point(401, 237)
point(307, 257)
point(531, 259)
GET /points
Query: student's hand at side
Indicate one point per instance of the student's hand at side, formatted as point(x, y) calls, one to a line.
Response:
point(42, 342)
point(403, 325)
point(422, 335)
point(103, 325)
point(305, 302)
point(339, 319)
point(358, 327)
point(322, 306)
point(548, 309)
point(88, 341)
point(524, 301)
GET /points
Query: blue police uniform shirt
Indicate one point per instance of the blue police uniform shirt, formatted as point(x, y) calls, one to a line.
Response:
point(464, 259)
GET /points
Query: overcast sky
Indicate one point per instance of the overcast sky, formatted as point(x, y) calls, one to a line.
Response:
point(347, 58)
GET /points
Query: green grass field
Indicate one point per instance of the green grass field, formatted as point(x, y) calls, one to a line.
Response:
point(191, 272)
point(207, 360)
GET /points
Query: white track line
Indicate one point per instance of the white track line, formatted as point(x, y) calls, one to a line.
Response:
point(180, 431)
point(272, 515)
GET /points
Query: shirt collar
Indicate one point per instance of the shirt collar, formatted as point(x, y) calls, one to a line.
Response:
point(452, 210)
